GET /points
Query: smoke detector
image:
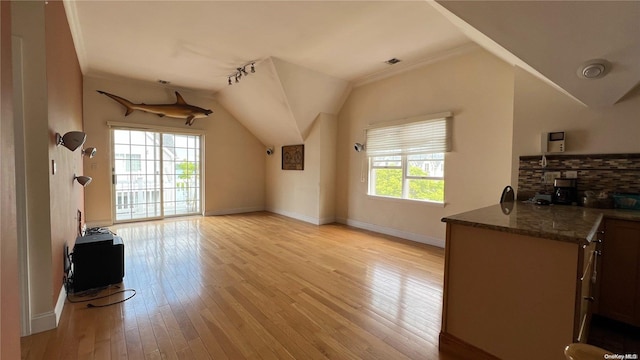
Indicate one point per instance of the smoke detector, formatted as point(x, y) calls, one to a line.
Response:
point(594, 69)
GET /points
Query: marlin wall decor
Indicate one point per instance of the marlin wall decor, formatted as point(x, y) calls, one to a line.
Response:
point(179, 110)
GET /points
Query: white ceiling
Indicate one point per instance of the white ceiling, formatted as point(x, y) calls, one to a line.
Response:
point(197, 44)
point(556, 37)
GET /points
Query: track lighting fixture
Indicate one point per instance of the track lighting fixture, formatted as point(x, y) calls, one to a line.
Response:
point(90, 152)
point(82, 180)
point(358, 147)
point(71, 140)
point(241, 71)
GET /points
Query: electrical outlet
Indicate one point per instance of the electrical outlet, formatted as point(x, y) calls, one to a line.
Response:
point(549, 176)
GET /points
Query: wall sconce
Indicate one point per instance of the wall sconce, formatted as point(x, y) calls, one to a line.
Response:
point(358, 147)
point(90, 152)
point(71, 140)
point(82, 180)
point(269, 151)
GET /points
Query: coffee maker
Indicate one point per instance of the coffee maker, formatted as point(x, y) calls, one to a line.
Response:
point(565, 191)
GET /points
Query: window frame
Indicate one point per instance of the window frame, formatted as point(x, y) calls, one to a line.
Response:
point(404, 168)
point(407, 140)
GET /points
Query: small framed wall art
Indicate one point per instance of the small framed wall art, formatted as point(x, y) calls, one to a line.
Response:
point(293, 157)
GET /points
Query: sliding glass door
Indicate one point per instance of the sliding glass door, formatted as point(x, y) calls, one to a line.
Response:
point(181, 174)
point(155, 174)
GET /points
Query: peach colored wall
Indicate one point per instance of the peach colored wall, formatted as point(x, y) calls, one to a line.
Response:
point(64, 92)
point(540, 108)
point(478, 88)
point(234, 158)
point(9, 291)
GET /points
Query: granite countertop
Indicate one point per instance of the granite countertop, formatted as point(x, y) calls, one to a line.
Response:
point(557, 222)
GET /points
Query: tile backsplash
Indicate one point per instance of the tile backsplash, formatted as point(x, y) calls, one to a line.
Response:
point(597, 172)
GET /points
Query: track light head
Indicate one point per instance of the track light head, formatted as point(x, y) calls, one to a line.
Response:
point(253, 67)
point(358, 147)
point(230, 80)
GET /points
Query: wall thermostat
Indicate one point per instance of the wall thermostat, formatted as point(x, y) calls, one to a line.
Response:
point(553, 142)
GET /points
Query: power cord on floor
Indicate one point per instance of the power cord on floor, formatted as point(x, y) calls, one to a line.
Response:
point(94, 292)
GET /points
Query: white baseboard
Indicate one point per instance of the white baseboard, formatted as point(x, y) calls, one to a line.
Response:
point(424, 239)
point(43, 322)
point(329, 220)
point(62, 297)
point(50, 319)
point(234, 211)
point(305, 218)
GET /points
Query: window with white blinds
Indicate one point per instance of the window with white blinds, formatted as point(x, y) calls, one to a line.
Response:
point(406, 160)
point(417, 137)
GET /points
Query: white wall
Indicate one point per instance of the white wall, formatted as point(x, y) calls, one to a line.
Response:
point(308, 194)
point(540, 108)
point(234, 159)
point(478, 88)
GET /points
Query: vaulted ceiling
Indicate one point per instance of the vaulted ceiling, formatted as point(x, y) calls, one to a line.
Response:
point(309, 53)
point(557, 38)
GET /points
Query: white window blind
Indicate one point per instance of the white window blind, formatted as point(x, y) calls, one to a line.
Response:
point(416, 137)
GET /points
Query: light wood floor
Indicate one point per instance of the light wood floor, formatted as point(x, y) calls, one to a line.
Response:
point(258, 286)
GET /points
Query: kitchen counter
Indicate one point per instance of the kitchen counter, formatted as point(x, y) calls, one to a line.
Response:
point(557, 222)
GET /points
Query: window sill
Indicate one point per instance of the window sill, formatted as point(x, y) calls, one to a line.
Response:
point(400, 200)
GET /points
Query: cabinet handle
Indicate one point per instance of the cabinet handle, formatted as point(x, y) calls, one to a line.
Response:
point(589, 298)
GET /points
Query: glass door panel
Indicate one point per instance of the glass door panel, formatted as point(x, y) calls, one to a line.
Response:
point(155, 174)
point(136, 168)
point(181, 174)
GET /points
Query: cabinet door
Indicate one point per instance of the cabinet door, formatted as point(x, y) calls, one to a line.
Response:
point(586, 295)
point(619, 288)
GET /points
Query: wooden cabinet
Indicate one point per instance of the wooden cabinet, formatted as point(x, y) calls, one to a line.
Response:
point(513, 296)
point(619, 288)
